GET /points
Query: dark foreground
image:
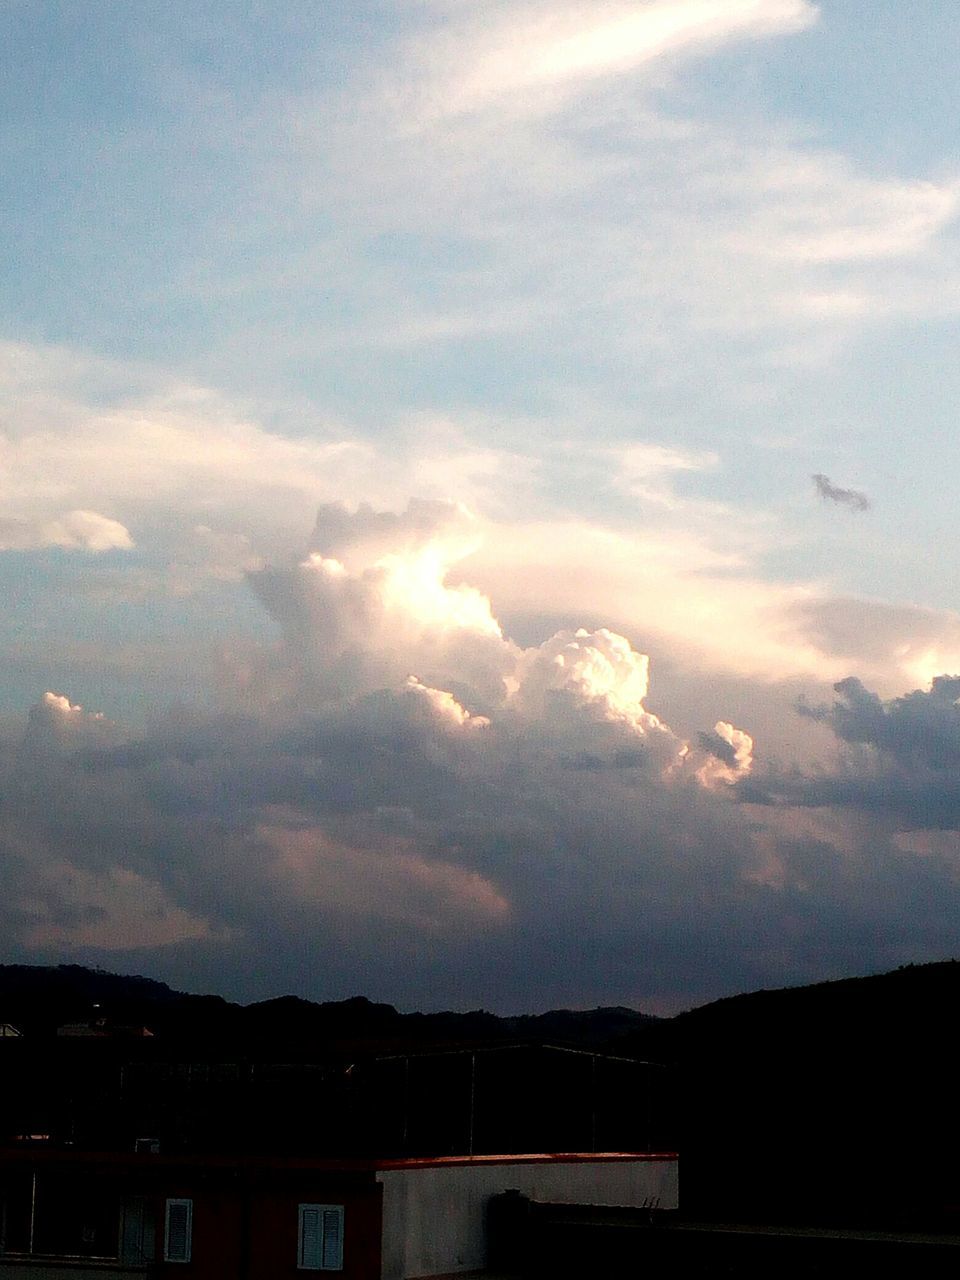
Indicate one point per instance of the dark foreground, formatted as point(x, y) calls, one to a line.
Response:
point(553, 1242)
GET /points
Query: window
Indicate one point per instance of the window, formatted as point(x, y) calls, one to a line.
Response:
point(321, 1237)
point(138, 1230)
point(178, 1231)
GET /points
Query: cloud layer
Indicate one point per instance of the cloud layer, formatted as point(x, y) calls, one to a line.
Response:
point(405, 801)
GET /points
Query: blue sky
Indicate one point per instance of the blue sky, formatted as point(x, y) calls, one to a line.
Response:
point(598, 289)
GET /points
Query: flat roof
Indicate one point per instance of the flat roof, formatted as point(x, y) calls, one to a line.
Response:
point(42, 1153)
point(553, 1157)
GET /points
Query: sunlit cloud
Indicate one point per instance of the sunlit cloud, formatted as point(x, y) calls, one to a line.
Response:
point(504, 53)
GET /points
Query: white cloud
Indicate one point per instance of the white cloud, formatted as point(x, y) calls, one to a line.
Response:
point(729, 755)
point(816, 209)
point(163, 450)
point(213, 496)
point(87, 530)
point(598, 672)
point(537, 46)
point(645, 470)
point(382, 607)
point(350, 633)
point(74, 530)
point(444, 706)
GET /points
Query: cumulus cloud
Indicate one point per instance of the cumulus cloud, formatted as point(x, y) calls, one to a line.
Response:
point(586, 690)
point(443, 706)
point(730, 754)
point(920, 729)
point(386, 609)
point(410, 773)
point(414, 804)
point(459, 706)
point(850, 498)
point(56, 722)
point(403, 798)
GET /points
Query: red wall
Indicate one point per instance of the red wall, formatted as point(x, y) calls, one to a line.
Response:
point(251, 1233)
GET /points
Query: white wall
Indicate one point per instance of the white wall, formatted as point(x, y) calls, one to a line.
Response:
point(434, 1218)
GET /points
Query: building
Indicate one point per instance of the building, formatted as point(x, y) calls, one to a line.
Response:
point(103, 1092)
point(70, 1213)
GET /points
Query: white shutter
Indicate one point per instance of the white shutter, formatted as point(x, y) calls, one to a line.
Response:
point(178, 1231)
point(321, 1237)
point(310, 1238)
point(138, 1231)
point(332, 1239)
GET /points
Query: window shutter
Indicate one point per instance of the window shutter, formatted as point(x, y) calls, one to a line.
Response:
point(332, 1240)
point(138, 1231)
point(177, 1238)
point(321, 1237)
point(310, 1238)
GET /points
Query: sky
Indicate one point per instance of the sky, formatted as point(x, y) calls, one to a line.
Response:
point(476, 495)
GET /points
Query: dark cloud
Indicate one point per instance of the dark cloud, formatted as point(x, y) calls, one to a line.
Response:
point(850, 498)
point(413, 806)
point(349, 853)
point(901, 757)
point(716, 746)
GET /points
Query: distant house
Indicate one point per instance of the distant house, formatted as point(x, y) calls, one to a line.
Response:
point(77, 1029)
point(8, 1031)
point(123, 1216)
point(102, 1029)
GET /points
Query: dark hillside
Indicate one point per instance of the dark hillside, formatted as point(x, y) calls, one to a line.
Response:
point(38, 1000)
point(824, 1103)
point(105, 1060)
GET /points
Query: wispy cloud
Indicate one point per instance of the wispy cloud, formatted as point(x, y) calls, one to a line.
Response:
point(615, 226)
point(505, 55)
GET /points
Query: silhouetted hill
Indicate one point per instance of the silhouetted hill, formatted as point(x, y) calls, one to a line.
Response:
point(882, 1002)
point(832, 1102)
point(38, 999)
point(348, 1077)
point(902, 1010)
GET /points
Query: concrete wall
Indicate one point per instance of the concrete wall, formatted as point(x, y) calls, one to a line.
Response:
point(434, 1218)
